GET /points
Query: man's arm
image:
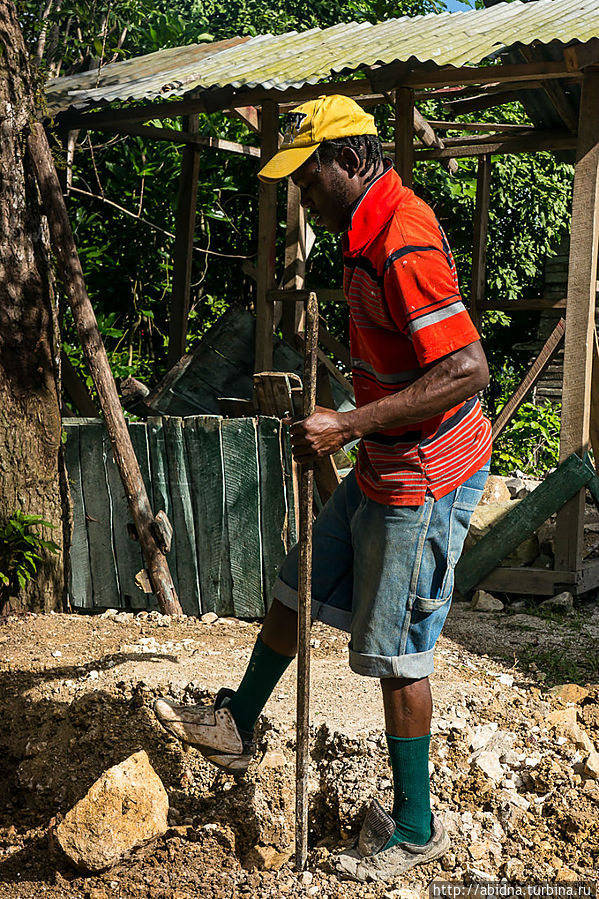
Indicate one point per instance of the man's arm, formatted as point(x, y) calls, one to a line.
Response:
point(447, 383)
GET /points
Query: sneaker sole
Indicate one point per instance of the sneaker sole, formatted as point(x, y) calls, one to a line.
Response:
point(238, 764)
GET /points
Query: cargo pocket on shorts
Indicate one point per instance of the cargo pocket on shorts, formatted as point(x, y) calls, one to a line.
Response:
point(442, 551)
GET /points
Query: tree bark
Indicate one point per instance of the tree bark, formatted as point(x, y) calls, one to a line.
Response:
point(31, 464)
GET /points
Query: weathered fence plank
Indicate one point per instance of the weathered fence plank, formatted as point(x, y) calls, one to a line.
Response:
point(96, 502)
point(188, 586)
point(242, 504)
point(160, 484)
point(273, 502)
point(128, 557)
point(203, 444)
point(80, 578)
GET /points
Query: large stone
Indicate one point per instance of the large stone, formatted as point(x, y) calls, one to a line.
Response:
point(563, 603)
point(485, 602)
point(485, 517)
point(495, 491)
point(125, 808)
point(570, 692)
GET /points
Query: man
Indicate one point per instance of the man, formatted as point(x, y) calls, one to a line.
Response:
point(386, 543)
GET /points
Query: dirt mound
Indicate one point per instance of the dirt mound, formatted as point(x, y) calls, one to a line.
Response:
point(77, 700)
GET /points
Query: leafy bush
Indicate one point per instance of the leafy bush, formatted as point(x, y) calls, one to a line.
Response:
point(21, 551)
point(530, 442)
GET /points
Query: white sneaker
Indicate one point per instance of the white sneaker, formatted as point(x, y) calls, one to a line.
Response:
point(211, 729)
point(368, 861)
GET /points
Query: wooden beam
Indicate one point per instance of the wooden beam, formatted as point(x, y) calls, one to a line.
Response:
point(479, 246)
point(404, 128)
point(456, 75)
point(183, 137)
point(530, 143)
point(249, 115)
point(183, 251)
point(580, 315)
point(71, 274)
point(427, 136)
point(267, 233)
point(532, 581)
point(294, 275)
point(530, 513)
point(550, 348)
point(475, 126)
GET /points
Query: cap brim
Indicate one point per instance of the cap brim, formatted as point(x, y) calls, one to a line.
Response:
point(285, 162)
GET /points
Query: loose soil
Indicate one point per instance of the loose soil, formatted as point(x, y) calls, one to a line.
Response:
point(77, 694)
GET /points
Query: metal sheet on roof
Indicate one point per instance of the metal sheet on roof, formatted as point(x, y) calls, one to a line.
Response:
point(299, 58)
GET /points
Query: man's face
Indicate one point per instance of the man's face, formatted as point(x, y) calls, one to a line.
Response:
point(327, 192)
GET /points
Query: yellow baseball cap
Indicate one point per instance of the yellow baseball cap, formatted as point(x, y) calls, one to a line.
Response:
point(307, 126)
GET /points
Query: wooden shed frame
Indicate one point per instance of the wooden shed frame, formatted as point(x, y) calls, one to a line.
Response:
point(400, 84)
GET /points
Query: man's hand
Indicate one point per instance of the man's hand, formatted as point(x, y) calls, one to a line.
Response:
point(319, 435)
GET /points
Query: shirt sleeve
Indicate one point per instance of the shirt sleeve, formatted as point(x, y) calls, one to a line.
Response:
point(424, 301)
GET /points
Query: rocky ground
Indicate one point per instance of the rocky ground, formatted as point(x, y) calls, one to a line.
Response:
point(512, 767)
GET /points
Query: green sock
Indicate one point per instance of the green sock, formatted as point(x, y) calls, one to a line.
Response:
point(412, 800)
point(265, 669)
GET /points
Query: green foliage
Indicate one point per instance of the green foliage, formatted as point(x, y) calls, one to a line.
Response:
point(21, 550)
point(127, 252)
point(530, 442)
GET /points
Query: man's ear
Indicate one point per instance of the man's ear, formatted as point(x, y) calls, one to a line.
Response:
point(349, 161)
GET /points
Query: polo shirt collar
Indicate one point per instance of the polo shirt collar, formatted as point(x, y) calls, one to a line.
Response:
point(374, 208)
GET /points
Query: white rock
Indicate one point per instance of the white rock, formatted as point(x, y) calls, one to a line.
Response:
point(506, 679)
point(489, 764)
point(209, 618)
point(496, 491)
point(483, 734)
point(57, 654)
point(485, 602)
point(306, 878)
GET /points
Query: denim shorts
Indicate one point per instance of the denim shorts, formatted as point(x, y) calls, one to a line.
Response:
point(385, 574)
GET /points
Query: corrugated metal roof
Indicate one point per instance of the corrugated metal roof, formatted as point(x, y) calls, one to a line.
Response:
point(295, 59)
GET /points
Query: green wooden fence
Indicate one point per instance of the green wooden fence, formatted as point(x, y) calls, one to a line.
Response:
point(226, 487)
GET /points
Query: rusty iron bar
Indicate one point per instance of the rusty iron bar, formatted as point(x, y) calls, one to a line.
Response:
point(69, 267)
point(304, 619)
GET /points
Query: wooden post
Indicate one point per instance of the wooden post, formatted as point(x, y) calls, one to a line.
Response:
point(404, 134)
point(304, 620)
point(184, 233)
point(71, 274)
point(479, 246)
point(295, 262)
point(267, 233)
point(580, 315)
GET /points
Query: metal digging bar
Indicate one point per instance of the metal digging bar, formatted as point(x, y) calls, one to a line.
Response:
point(305, 596)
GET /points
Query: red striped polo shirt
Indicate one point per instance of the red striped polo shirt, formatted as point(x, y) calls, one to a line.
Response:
point(406, 312)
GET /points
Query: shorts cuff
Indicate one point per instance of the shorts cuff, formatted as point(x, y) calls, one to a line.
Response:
point(338, 618)
point(415, 665)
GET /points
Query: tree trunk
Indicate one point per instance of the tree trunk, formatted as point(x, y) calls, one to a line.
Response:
point(31, 464)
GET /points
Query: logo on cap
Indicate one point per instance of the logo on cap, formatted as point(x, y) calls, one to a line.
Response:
point(293, 122)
